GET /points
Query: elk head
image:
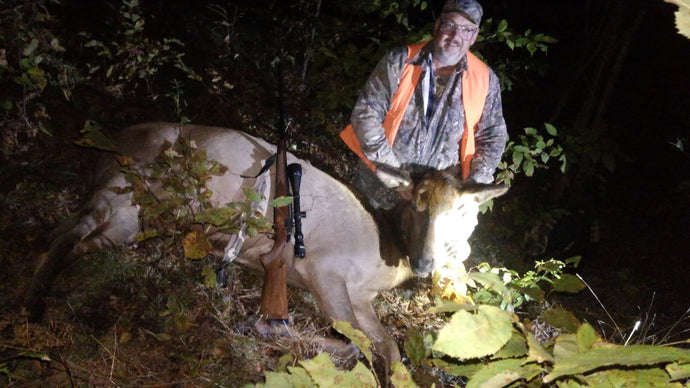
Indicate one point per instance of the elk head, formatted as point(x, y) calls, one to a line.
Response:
point(442, 217)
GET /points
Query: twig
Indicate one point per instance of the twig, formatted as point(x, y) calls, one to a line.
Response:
point(668, 333)
point(601, 304)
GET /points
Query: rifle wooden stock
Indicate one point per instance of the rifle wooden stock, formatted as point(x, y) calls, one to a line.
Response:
point(274, 294)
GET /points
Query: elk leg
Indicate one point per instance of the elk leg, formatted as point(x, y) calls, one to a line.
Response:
point(49, 266)
point(384, 346)
point(333, 300)
point(89, 232)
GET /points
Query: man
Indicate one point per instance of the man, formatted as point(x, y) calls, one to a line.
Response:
point(414, 111)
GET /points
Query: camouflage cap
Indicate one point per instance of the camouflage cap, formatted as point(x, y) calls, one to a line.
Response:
point(470, 9)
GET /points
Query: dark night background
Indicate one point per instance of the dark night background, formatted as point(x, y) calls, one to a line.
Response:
point(616, 85)
point(642, 207)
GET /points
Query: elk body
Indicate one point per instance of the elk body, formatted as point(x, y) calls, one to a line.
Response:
point(349, 258)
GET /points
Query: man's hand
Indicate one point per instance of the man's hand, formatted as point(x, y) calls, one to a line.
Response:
point(393, 178)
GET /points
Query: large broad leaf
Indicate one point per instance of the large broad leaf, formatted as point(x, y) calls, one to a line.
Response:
point(516, 347)
point(561, 319)
point(325, 374)
point(568, 283)
point(196, 245)
point(501, 373)
point(297, 378)
point(653, 377)
point(469, 335)
point(496, 374)
point(614, 355)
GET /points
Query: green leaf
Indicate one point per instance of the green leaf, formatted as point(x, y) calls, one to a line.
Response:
point(209, 276)
point(414, 347)
point(401, 376)
point(517, 158)
point(145, 235)
point(532, 291)
point(470, 335)
point(325, 374)
point(502, 373)
point(565, 346)
point(653, 377)
point(521, 149)
point(575, 261)
point(502, 25)
point(358, 338)
point(492, 282)
point(34, 355)
point(251, 194)
point(551, 129)
point(516, 347)
point(94, 137)
point(586, 336)
point(568, 283)
point(297, 377)
point(461, 370)
point(564, 163)
point(561, 319)
point(281, 201)
point(616, 355)
point(678, 371)
point(528, 167)
point(162, 337)
point(196, 245)
point(448, 306)
point(216, 216)
point(535, 350)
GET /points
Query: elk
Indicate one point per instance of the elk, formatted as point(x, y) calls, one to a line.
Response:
point(351, 256)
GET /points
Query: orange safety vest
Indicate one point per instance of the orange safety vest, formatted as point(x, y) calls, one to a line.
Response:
point(475, 87)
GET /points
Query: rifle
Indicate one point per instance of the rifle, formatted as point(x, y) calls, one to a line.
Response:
point(274, 295)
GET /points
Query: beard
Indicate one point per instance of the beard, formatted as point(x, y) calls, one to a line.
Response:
point(450, 51)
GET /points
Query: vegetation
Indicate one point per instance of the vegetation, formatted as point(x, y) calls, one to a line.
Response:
point(151, 314)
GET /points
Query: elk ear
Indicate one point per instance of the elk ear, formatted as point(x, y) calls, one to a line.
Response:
point(421, 199)
point(485, 192)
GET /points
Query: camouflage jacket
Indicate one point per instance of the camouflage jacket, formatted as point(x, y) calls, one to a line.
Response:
point(428, 140)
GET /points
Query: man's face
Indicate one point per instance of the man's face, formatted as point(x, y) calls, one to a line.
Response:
point(453, 36)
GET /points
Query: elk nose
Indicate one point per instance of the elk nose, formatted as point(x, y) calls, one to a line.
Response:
point(422, 266)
